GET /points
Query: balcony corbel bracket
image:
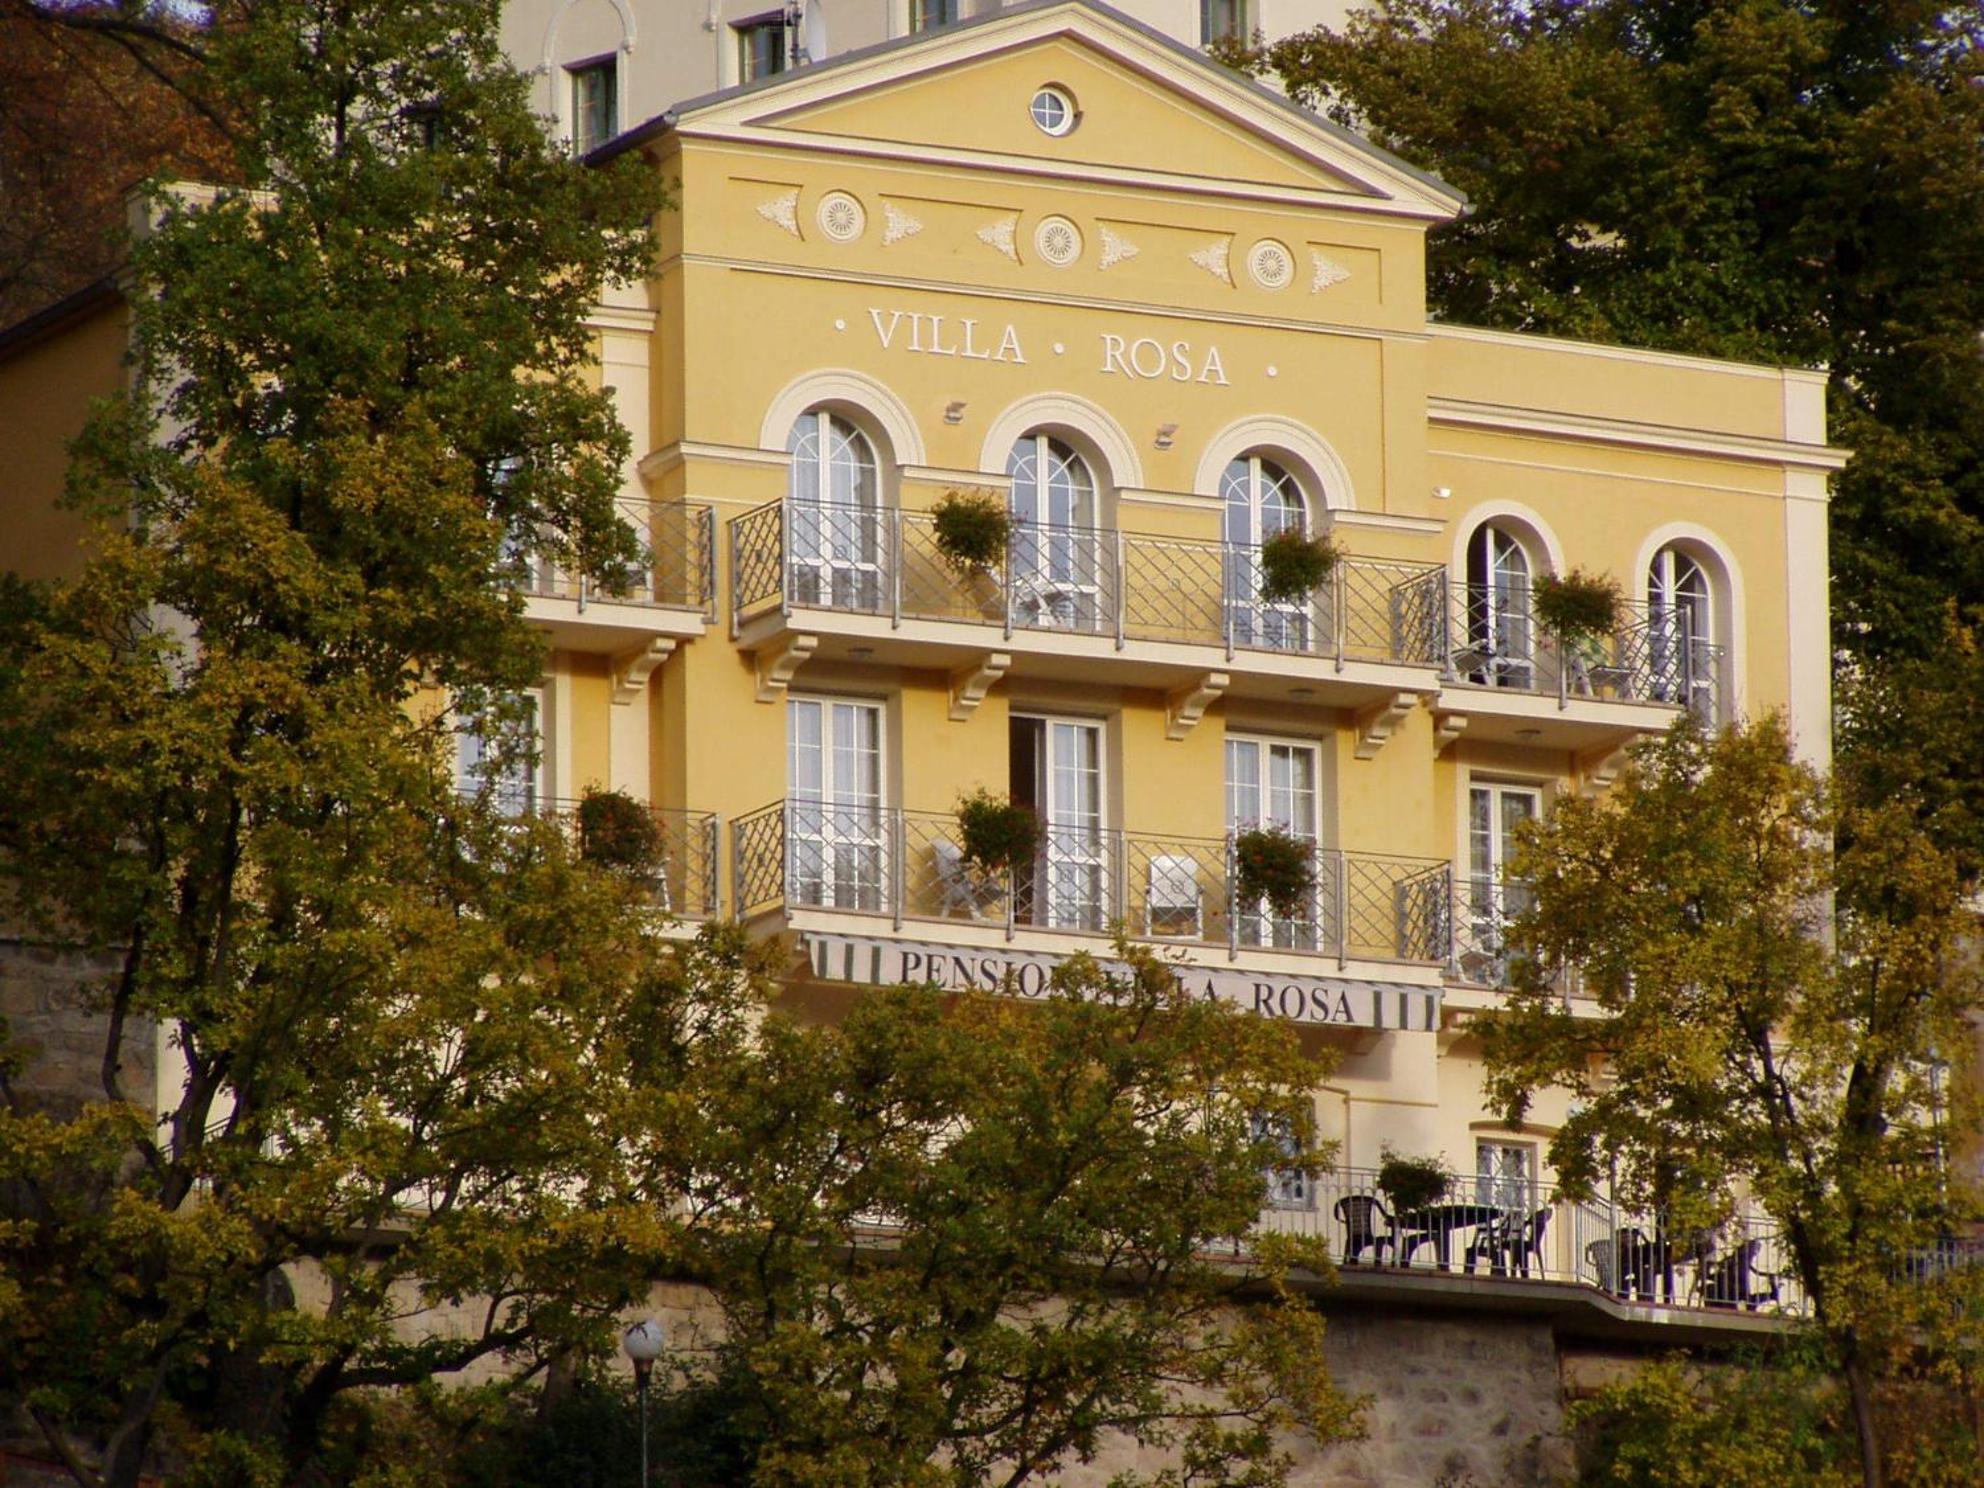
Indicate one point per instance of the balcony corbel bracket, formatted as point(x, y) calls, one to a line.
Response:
point(1376, 723)
point(1598, 769)
point(1447, 727)
point(970, 684)
point(776, 665)
point(1187, 705)
point(631, 669)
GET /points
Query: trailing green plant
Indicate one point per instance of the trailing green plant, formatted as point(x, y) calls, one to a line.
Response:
point(1274, 864)
point(1577, 606)
point(616, 831)
point(998, 835)
point(1411, 1182)
point(1293, 563)
point(972, 529)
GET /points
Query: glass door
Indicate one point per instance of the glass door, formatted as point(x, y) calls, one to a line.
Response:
point(1261, 500)
point(833, 498)
point(1498, 629)
point(1057, 771)
point(1272, 783)
point(1494, 814)
point(1680, 640)
point(836, 848)
point(501, 755)
point(1057, 552)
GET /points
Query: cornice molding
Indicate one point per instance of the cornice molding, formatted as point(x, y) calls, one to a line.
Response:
point(1502, 418)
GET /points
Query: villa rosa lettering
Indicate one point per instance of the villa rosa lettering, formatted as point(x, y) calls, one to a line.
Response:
point(1147, 359)
point(1340, 1001)
point(943, 335)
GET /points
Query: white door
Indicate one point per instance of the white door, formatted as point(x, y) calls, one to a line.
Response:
point(1261, 500)
point(1680, 637)
point(836, 844)
point(833, 501)
point(1058, 563)
point(1494, 813)
point(1272, 783)
point(1498, 625)
point(504, 763)
point(1057, 770)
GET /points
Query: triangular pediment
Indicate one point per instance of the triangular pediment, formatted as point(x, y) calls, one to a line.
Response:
point(1149, 111)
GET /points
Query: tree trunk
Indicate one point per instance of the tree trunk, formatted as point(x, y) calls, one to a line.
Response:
point(1862, 1391)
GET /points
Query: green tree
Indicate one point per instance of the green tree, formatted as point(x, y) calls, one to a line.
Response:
point(1778, 180)
point(973, 1240)
point(1775, 977)
point(406, 1025)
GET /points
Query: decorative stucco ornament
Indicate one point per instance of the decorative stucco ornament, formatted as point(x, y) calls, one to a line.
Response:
point(782, 211)
point(999, 236)
point(1328, 272)
point(1116, 248)
point(1058, 241)
point(1213, 260)
point(1271, 264)
point(841, 217)
point(898, 224)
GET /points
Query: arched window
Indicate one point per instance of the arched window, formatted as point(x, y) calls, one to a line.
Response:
point(1059, 577)
point(834, 496)
point(1261, 500)
point(1498, 630)
point(1681, 631)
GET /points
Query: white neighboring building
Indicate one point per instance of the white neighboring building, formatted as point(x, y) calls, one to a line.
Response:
point(605, 65)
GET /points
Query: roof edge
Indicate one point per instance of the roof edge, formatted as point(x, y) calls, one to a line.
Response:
point(52, 318)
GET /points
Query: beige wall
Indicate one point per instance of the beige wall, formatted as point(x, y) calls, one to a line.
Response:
point(46, 389)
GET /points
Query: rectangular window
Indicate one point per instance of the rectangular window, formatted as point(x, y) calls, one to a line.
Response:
point(1494, 812)
point(1505, 1176)
point(761, 44)
point(502, 756)
point(836, 829)
point(1272, 783)
point(1056, 769)
point(595, 104)
point(923, 14)
point(1288, 1188)
point(1225, 20)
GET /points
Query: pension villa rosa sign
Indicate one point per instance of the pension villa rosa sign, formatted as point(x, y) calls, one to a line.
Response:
point(1139, 358)
point(1344, 1002)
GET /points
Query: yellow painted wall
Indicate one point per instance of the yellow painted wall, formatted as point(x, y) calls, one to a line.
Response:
point(46, 389)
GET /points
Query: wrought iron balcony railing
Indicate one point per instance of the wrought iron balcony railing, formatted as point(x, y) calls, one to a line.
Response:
point(682, 880)
point(1084, 580)
point(1505, 1226)
point(879, 860)
point(675, 568)
point(1651, 657)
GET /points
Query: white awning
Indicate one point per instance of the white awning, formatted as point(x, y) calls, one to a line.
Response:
point(1347, 1002)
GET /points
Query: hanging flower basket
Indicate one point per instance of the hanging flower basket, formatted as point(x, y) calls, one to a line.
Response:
point(1577, 606)
point(973, 529)
point(616, 831)
point(1293, 564)
point(1278, 866)
point(996, 835)
point(1411, 1182)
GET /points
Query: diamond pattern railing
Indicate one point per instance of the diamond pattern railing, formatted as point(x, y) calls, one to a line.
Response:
point(684, 880)
point(1085, 880)
point(1086, 580)
point(675, 567)
point(1650, 658)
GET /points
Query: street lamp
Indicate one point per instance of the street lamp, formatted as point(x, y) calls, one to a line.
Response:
point(643, 1344)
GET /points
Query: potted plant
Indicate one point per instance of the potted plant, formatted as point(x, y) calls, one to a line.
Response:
point(616, 831)
point(1276, 865)
point(996, 835)
point(1577, 607)
point(1293, 563)
point(972, 530)
point(1411, 1183)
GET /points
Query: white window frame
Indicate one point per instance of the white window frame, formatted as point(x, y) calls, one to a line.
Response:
point(1489, 905)
point(1277, 625)
point(851, 854)
point(1257, 924)
point(1056, 864)
point(1056, 566)
point(517, 793)
point(1491, 1185)
point(1500, 636)
point(575, 72)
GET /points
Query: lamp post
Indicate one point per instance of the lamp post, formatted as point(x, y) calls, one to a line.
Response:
point(643, 1343)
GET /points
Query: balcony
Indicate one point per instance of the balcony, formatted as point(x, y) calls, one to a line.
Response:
point(910, 865)
point(669, 592)
point(1503, 1229)
point(1515, 683)
point(683, 883)
point(1149, 610)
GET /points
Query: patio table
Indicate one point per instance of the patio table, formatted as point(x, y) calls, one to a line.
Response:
point(1437, 1222)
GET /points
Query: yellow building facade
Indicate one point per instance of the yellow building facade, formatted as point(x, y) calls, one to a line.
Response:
point(1160, 317)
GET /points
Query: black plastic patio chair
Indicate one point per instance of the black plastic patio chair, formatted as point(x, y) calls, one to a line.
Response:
point(1366, 1222)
